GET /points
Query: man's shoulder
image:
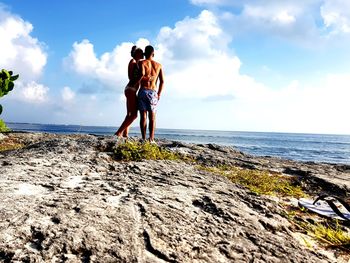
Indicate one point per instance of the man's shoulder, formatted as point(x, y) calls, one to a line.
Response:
point(147, 62)
point(157, 64)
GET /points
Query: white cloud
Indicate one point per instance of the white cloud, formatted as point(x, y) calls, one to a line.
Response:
point(199, 37)
point(336, 15)
point(20, 51)
point(313, 107)
point(209, 71)
point(308, 22)
point(193, 55)
point(291, 20)
point(200, 67)
point(278, 14)
point(196, 59)
point(33, 92)
point(67, 94)
point(284, 17)
point(110, 68)
point(24, 55)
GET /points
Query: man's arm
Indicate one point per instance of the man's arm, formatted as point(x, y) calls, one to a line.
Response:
point(161, 82)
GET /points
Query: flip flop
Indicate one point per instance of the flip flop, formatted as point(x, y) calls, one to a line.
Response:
point(329, 206)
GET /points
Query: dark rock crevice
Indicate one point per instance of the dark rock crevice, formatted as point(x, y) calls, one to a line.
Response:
point(149, 247)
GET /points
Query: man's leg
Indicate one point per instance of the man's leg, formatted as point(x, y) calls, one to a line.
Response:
point(143, 124)
point(152, 124)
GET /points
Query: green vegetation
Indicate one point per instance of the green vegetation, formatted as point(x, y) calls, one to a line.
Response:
point(260, 182)
point(136, 151)
point(326, 231)
point(3, 127)
point(334, 235)
point(6, 85)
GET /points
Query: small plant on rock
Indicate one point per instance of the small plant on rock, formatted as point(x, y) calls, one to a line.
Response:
point(6, 85)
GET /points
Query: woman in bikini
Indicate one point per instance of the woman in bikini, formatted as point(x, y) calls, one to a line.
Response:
point(135, 75)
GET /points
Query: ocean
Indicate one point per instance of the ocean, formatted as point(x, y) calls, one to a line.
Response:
point(294, 146)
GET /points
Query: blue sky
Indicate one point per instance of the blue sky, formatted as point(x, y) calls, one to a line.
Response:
point(247, 65)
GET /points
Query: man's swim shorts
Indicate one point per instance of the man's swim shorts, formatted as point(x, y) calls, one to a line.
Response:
point(147, 100)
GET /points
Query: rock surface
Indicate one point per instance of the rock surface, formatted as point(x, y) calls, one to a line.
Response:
point(64, 199)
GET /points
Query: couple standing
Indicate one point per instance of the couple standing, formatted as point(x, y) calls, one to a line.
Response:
point(143, 75)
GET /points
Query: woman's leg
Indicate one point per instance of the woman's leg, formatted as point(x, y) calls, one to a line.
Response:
point(126, 132)
point(131, 107)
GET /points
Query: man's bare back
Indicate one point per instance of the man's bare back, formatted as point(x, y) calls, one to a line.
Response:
point(152, 69)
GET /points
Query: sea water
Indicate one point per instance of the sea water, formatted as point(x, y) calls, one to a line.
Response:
point(295, 146)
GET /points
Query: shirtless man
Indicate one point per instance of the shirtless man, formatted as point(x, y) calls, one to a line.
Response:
point(148, 97)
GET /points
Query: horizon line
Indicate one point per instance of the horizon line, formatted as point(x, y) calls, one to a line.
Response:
point(189, 129)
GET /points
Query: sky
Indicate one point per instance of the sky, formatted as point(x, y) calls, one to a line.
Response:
point(238, 65)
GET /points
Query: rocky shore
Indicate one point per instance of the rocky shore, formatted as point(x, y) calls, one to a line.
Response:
point(64, 198)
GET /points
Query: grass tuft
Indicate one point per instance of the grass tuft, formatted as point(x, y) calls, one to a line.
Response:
point(260, 182)
point(327, 232)
point(334, 235)
point(136, 151)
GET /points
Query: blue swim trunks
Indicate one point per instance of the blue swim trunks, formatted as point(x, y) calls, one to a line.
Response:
point(147, 99)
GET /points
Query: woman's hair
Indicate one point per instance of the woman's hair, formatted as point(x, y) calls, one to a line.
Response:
point(135, 50)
